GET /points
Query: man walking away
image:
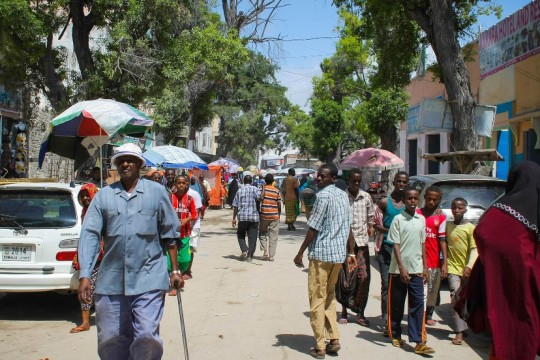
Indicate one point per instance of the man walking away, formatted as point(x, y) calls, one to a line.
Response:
point(136, 220)
point(270, 213)
point(291, 199)
point(245, 207)
point(327, 238)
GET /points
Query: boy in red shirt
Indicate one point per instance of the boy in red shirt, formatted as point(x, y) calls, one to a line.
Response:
point(184, 205)
point(435, 244)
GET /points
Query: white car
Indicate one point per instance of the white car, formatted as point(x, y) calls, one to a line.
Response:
point(39, 233)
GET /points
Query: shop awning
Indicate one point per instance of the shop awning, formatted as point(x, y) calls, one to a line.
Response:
point(464, 160)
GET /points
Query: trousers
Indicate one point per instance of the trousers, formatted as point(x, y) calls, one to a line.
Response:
point(322, 278)
point(397, 292)
point(128, 326)
point(250, 228)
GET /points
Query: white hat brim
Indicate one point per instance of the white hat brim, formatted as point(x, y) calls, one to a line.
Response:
point(127, 153)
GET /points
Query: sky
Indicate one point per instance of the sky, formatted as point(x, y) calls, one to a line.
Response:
point(307, 19)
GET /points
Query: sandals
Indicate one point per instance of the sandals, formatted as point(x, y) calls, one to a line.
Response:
point(431, 322)
point(316, 354)
point(457, 342)
point(343, 321)
point(79, 329)
point(363, 321)
point(423, 350)
point(398, 342)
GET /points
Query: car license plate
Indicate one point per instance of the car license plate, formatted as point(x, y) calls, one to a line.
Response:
point(16, 253)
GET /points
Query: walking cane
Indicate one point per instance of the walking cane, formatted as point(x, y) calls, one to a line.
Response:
point(182, 324)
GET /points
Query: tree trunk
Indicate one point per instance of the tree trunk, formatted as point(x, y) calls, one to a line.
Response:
point(82, 25)
point(442, 34)
point(389, 139)
point(55, 90)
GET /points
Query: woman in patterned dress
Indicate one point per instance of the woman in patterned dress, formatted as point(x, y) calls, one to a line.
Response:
point(85, 196)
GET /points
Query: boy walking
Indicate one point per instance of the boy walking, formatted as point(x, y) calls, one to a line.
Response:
point(408, 273)
point(461, 257)
point(435, 245)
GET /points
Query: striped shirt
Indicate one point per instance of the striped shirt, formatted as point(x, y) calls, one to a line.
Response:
point(271, 203)
point(331, 217)
point(363, 213)
point(244, 200)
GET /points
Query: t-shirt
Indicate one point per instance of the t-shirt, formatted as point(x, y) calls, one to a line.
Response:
point(409, 232)
point(184, 207)
point(270, 203)
point(461, 247)
point(435, 230)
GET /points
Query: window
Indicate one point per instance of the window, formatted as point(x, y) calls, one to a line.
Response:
point(36, 209)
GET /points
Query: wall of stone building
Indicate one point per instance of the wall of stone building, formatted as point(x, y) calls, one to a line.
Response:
point(54, 166)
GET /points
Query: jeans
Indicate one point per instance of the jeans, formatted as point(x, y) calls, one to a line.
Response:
point(128, 326)
point(251, 228)
point(383, 257)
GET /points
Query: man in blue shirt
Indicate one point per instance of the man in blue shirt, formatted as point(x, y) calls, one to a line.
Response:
point(328, 238)
point(245, 206)
point(137, 222)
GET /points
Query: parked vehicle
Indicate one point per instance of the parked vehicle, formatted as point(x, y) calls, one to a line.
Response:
point(479, 191)
point(39, 234)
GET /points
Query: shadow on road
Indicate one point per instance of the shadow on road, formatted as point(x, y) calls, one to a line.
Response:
point(43, 306)
point(299, 342)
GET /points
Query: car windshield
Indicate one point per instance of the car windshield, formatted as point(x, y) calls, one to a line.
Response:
point(478, 194)
point(36, 209)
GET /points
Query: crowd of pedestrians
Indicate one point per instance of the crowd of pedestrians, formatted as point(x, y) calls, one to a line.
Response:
point(131, 225)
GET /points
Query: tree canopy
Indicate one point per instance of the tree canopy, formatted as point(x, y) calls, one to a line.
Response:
point(397, 29)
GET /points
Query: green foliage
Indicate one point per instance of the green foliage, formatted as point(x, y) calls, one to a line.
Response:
point(385, 110)
point(252, 108)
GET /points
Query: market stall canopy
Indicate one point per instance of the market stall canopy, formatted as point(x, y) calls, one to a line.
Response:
point(464, 160)
point(298, 171)
point(88, 125)
point(230, 164)
point(372, 159)
point(173, 157)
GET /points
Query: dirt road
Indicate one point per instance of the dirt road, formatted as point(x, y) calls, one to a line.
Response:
point(233, 309)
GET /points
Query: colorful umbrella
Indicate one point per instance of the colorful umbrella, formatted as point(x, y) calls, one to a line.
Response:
point(173, 157)
point(372, 159)
point(89, 125)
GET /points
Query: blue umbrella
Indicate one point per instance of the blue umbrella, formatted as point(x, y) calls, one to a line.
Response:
point(173, 157)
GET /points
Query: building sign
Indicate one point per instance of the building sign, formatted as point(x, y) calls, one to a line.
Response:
point(412, 119)
point(436, 115)
point(511, 40)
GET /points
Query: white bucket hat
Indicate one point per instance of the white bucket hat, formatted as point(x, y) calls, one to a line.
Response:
point(128, 149)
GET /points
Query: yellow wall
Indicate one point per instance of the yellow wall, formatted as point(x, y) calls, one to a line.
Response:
point(527, 73)
point(498, 88)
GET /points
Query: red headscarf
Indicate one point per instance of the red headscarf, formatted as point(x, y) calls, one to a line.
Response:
point(92, 190)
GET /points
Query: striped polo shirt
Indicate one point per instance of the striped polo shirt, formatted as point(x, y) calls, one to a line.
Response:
point(270, 204)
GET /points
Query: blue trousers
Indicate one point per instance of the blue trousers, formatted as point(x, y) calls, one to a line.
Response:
point(397, 292)
point(128, 326)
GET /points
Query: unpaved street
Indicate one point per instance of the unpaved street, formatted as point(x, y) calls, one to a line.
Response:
point(233, 310)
